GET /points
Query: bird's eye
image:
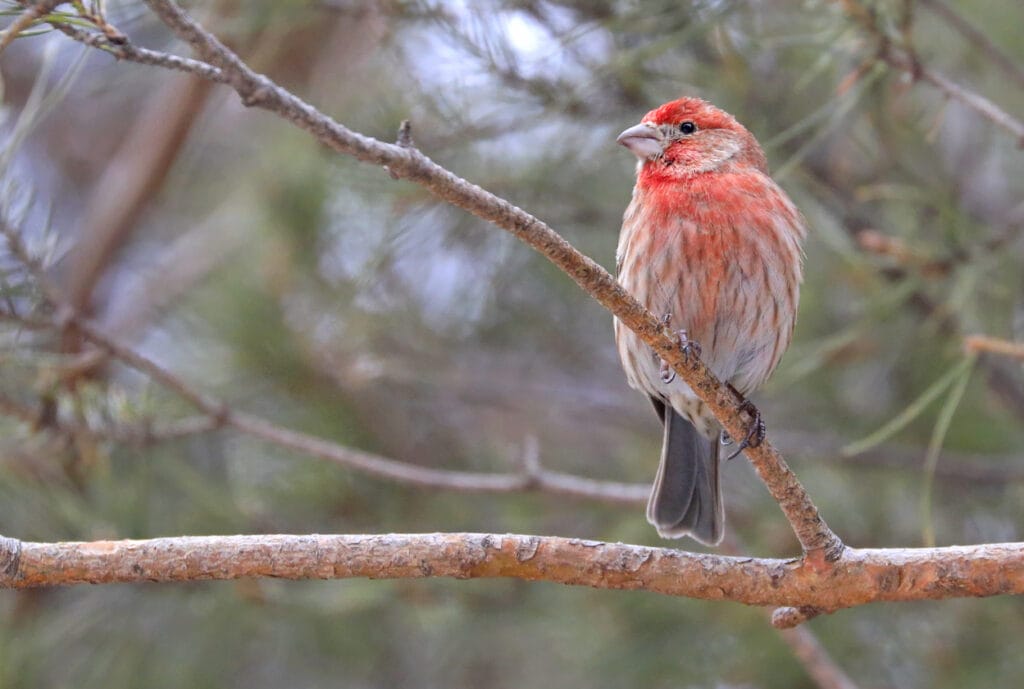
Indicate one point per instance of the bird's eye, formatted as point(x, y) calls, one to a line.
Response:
point(687, 127)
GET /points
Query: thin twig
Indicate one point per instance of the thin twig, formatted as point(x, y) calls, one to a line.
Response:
point(218, 414)
point(816, 660)
point(125, 50)
point(903, 58)
point(979, 39)
point(973, 100)
point(994, 345)
point(33, 12)
point(132, 433)
point(365, 462)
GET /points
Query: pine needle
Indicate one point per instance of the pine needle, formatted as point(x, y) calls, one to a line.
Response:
point(942, 424)
point(903, 419)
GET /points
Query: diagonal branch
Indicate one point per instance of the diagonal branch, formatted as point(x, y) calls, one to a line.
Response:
point(217, 414)
point(866, 575)
point(815, 659)
point(32, 14)
point(904, 58)
point(409, 163)
point(978, 38)
point(124, 50)
point(975, 101)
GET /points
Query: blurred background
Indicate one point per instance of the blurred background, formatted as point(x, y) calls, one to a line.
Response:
point(319, 293)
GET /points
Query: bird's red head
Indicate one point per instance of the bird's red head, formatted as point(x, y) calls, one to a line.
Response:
point(690, 136)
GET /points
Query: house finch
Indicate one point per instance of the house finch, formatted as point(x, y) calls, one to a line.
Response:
point(710, 242)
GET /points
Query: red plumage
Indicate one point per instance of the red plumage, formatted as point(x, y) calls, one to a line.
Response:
point(710, 240)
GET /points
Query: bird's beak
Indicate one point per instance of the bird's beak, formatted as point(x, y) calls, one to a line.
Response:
point(644, 140)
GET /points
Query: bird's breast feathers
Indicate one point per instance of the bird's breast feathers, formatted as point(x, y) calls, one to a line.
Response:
point(727, 270)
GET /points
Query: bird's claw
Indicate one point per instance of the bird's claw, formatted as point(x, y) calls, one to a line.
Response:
point(687, 346)
point(667, 374)
point(756, 430)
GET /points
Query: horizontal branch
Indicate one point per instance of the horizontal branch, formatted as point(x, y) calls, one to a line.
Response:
point(858, 577)
point(538, 479)
point(217, 415)
point(994, 345)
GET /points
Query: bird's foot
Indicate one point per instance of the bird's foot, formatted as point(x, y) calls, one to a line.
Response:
point(667, 374)
point(687, 346)
point(756, 429)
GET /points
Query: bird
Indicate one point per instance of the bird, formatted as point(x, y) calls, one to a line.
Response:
point(712, 244)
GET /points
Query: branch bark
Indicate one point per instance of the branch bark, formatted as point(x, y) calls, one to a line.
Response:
point(862, 576)
point(407, 162)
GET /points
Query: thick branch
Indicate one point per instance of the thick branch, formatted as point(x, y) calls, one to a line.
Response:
point(860, 576)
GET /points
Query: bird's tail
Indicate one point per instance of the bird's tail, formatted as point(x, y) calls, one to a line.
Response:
point(686, 499)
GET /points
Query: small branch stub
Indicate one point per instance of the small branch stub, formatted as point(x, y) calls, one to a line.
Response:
point(10, 557)
point(994, 345)
point(788, 617)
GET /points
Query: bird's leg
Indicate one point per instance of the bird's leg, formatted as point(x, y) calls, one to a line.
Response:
point(686, 346)
point(755, 430)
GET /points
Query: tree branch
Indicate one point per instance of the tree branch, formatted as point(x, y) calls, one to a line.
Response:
point(978, 38)
point(124, 50)
point(994, 345)
point(407, 162)
point(33, 13)
point(903, 58)
point(217, 414)
point(866, 576)
point(816, 660)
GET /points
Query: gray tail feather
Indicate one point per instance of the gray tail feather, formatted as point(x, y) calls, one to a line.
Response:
point(686, 499)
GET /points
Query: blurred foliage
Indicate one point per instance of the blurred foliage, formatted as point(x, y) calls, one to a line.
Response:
point(320, 293)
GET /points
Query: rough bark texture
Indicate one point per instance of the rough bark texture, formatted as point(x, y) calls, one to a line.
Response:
point(860, 576)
